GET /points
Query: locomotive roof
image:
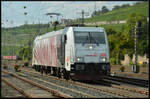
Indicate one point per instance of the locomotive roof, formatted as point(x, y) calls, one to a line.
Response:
point(63, 31)
point(92, 29)
point(49, 34)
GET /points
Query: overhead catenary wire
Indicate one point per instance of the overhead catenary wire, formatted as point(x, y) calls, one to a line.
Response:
point(37, 11)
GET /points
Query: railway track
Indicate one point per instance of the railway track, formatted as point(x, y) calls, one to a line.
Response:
point(133, 81)
point(114, 90)
point(86, 89)
point(29, 88)
point(125, 89)
point(139, 90)
point(120, 90)
point(65, 86)
point(8, 91)
point(18, 89)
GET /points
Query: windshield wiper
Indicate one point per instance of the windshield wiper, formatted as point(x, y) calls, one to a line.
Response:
point(86, 40)
point(92, 38)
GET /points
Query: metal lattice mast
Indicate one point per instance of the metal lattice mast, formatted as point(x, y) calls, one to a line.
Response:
point(137, 32)
point(11, 22)
point(83, 14)
point(135, 48)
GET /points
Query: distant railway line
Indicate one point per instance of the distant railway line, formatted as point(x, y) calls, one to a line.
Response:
point(123, 86)
point(133, 81)
point(12, 44)
point(108, 22)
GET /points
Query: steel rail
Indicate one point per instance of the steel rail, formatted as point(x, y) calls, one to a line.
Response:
point(123, 87)
point(73, 82)
point(93, 87)
point(19, 89)
point(89, 96)
point(129, 80)
point(85, 85)
point(54, 92)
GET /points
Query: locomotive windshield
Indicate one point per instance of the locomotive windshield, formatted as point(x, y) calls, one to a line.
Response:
point(90, 37)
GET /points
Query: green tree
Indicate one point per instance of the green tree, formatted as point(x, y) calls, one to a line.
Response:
point(104, 9)
point(23, 53)
point(116, 7)
point(121, 43)
point(142, 38)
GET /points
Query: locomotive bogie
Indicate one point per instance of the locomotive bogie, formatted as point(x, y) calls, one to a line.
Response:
point(89, 71)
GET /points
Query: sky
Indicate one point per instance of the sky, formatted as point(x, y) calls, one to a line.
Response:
point(12, 12)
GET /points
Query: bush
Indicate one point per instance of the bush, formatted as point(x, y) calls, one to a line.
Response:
point(144, 65)
point(113, 61)
point(122, 68)
point(5, 67)
point(131, 64)
point(26, 64)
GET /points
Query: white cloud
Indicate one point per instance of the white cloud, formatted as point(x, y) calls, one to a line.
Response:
point(10, 25)
point(37, 10)
point(70, 9)
point(53, 2)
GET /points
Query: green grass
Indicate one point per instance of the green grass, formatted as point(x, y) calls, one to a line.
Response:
point(122, 13)
point(116, 27)
point(9, 50)
point(18, 38)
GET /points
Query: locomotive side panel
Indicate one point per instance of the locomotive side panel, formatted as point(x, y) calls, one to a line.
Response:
point(60, 51)
point(45, 52)
point(69, 49)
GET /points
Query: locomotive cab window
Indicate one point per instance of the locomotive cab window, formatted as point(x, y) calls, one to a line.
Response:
point(90, 37)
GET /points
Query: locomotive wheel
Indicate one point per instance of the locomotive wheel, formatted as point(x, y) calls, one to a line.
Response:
point(58, 73)
point(44, 69)
point(66, 75)
point(33, 66)
point(54, 71)
point(62, 74)
point(46, 72)
point(49, 70)
point(41, 70)
point(37, 68)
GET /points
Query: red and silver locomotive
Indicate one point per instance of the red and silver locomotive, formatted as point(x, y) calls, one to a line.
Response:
point(79, 53)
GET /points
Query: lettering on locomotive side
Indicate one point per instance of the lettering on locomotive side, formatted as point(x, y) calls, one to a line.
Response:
point(103, 54)
point(67, 59)
point(92, 54)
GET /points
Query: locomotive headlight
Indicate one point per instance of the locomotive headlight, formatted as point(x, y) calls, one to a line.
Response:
point(104, 59)
point(90, 47)
point(79, 59)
